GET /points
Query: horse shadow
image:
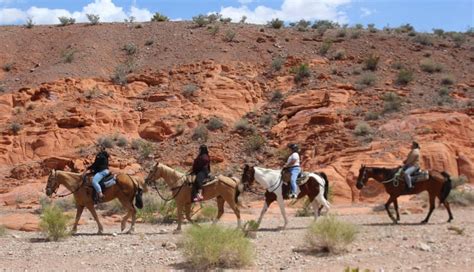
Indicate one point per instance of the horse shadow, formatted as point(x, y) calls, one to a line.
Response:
point(382, 224)
point(280, 229)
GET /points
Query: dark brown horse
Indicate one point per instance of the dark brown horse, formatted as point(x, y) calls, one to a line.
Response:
point(438, 185)
point(316, 188)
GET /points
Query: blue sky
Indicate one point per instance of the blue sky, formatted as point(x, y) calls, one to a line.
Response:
point(456, 15)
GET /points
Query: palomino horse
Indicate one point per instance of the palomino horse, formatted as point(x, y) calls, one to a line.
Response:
point(125, 189)
point(438, 185)
point(316, 188)
point(224, 188)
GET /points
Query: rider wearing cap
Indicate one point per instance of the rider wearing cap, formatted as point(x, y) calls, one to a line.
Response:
point(293, 166)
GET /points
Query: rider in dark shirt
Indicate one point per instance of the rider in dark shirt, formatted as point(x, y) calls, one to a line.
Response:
point(201, 168)
point(100, 169)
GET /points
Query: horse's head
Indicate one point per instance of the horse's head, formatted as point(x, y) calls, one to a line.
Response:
point(248, 176)
point(52, 185)
point(362, 178)
point(152, 175)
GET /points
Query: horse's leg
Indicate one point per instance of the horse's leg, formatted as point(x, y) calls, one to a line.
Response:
point(187, 212)
point(432, 206)
point(79, 210)
point(236, 210)
point(281, 203)
point(446, 204)
point(395, 204)
point(387, 206)
point(322, 200)
point(220, 209)
point(316, 209)
point(96, 218)
point(179, 213)
point(264, 209)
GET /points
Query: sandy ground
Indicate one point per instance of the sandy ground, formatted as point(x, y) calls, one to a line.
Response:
point(380, 246)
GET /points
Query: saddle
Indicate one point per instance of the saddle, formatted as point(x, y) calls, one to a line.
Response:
point(417, 176)
point(302, 177)
point(106, 182)
point(210, 179)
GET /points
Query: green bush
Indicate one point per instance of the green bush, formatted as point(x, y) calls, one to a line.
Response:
point(121, 141)
point(201, 133)
point(144, 148)
point(93, 19)
point(392, 102)
point(213, 17)
point(301, 72)
point(438, 32)
point(229, 36)
point(371, 28)
point(341, 33)
point(29, 23)
point(458, 39)
point(15, 127)
point(151, 205)
point(323, 50)
point(215, 246)
point(302, 25)
point(112, 207)
point(447, 80)
point(201, 20)
point(362, 129)
point(68, 55)
point(244, 127)
point(328, 234)
point(423, 39)
point(355, 34)
point(367, 79)
point(359, 26)
point(340, 54)
point(167, 211)
point(254, 143)
point(130, 49)
point(461, 198)
point(65, 204)
point(371, 62)
point(306, 210)
point(406, 28)
point(7, 67)
point(266, 120)
point(106, 141)
point(215, 123)
point(189, 90)
point(206, 213)
point(404, 77)
point(120, 74)
point(324, 24)
point(370, 116)
point(149, 42)
point(213, 30)
point(277, 96)
point(277, 63)
point(158, 17)
point(430, 66)
point(64, 21)
point(276, 23)
point(54, 223)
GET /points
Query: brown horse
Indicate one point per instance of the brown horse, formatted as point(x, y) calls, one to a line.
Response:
point(316, 188)
point(223, 188)
point(438, 185)
point(125, 189)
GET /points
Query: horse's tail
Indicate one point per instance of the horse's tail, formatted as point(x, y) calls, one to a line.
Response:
point(326, 184)
point(139, 188)
point(238, 190)
point(447, 186)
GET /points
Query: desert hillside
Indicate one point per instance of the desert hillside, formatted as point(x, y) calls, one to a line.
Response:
point(155, 91)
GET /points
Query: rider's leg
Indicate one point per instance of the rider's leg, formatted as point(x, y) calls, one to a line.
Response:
point(408, 174)
point(200, 177)
point(96, 179)
point(294, 176)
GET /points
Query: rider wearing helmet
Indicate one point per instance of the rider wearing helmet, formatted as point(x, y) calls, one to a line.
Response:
point(411, 164)
point(293, 166)
point(201, 168)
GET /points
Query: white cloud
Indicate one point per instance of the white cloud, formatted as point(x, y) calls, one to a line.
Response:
point(244, 2)
point(366, 12)
point(106, 9)
point(291, 10)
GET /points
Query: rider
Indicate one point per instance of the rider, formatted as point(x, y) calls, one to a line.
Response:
point(293, 166)
point(100, 169)
point(201, 168)
point(411, 164)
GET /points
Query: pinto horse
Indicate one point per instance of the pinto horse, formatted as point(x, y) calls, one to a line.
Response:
point(225, 189)
point(125, 189)
point(316, 188)
point(438, 185)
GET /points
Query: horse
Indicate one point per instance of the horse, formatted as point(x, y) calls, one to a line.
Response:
point(125, 189)
point(316, 188)
point(438, 185)
point(224, 189)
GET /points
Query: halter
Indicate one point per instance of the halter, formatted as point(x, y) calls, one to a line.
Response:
point(172, 189)
point(68, 194)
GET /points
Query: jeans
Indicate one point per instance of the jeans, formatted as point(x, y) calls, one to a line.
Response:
point(408, 172)
point(97, 178)
point(294, 171)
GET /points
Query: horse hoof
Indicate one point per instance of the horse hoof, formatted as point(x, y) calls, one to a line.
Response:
point(100, 232)
point(177, 231)
point(423, 222)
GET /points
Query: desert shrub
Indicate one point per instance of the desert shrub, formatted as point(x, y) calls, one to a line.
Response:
point(447, 80)
point(341, 33)
point(200, 133)
point(444, 91)
point(206, 213)
point(167, 211)
point(249, 227)
point(201, 20)
point(371, 28)
point(367, 79)
point(458, 181)
point(244, 127)
point(461, 198)
point(189, 90)
point(325, 47)
point(121, 141)
point(54, 223)
point(277, 96)
point(112, 207)
point(225, 20)
point(430, 66)
point(350, 269)
point(213, 30)
point(7, 67)
point(306, 210)
point(3, 230)
point(130, 49)
point(106, 141)
point(215, 246)
point(29, 23)
point(404, 77)
point(438, 32)
point(254, 143)
point(371, 62)
point(397, 65)
point(266, 120)
point(276, 23)
point(392, 102)
point(229, 36)
point(93, 19)
point(15, 127)
point(301, 72)
point(362, 129)
point(68, 55)
point(151, 205)
point(355, 34)
point(340, 54)
point(149, 42)
point(92, 93)
point(158, 17)
point(64, 21)
point(370, 116)
point(119, 76)
point(406, 28)
point(65, 204)
point(243, 19)
point(329, 234)
point(144, 148)
point(324, 24)
point(359, 26)
point(215, 123)
point(458, 39)
point(423, 39)
point(277, 63)
point(302, 25)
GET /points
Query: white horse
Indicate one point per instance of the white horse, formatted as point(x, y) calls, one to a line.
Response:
point(316, 188)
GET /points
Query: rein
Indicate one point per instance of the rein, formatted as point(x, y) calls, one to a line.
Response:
point(172, 189)
point(72, 192)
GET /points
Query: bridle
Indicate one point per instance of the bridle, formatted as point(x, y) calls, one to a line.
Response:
point(153, 184)
point(48, 187)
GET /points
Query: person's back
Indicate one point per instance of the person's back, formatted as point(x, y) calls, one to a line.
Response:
point(293, 166)
point(201, 168)
point(411, 164)
point(100, 169)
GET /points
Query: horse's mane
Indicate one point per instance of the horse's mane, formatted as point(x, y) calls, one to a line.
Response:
point(169, 173)
point(384, 170)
